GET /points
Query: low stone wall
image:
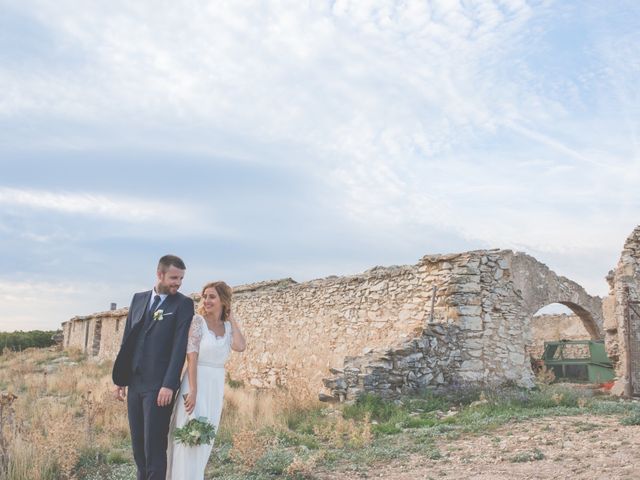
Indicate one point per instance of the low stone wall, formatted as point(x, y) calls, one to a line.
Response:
point(98, 335)
point(297, 331)
point(344, 323)
point(430, 360)
point(460, 317)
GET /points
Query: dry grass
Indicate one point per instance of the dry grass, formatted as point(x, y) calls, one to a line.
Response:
point(63, 406)
point(305, 468)
point(64, 422)
point(343, 432)
point(247, 447)
point(253, 410)
point(247, 412)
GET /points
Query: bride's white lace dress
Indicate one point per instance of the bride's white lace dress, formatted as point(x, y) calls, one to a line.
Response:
point(184, 462)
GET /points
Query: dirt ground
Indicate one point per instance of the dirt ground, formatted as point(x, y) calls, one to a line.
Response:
point(578, 447)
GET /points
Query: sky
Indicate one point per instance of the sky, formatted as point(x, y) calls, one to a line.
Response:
point(271, 139)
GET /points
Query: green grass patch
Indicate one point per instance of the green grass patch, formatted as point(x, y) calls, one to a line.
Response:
point(274, 462)
point(91, 460)
point(291, 438)
point(523, 457)
point(303, 421)
point(632, 419)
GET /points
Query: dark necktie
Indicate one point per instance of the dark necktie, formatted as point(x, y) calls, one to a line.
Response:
point(154, 306)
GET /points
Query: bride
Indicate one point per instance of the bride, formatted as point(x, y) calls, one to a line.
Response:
point(213, 334)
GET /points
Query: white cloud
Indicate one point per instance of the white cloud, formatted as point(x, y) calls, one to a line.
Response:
point(136, 217)
point(119, 208)
point(43, 305)
point(453, 114)
point(274, 70)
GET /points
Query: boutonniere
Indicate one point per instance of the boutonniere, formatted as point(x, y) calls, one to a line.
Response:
point(158, 315)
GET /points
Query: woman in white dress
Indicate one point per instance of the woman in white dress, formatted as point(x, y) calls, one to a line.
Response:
point(213, 334)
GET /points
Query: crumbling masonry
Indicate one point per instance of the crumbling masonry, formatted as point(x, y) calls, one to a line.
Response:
point(622, 313)
point(449, 318)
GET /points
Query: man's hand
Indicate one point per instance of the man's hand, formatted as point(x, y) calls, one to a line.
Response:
point(165, 395)
point(120, 393)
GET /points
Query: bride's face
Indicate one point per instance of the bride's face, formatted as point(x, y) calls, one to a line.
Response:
point(211, 302)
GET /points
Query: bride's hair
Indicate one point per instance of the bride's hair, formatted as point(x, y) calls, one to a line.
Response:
point(224, 293)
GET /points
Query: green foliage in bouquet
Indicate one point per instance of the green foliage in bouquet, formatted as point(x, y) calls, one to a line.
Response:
point(197, 431)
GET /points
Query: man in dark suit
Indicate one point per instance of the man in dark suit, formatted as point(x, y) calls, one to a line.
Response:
point(149, 363)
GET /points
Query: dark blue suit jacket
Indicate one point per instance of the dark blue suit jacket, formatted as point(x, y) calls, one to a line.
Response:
point(163, 346)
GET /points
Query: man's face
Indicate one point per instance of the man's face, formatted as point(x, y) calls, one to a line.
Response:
point(169, 282)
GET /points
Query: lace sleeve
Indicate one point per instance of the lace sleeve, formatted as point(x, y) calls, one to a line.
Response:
point(195, 334)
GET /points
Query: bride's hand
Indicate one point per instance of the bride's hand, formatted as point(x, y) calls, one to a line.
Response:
point(190, 402)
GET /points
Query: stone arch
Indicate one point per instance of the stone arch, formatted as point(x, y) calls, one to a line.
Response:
point(539, 286)
point(589, 322)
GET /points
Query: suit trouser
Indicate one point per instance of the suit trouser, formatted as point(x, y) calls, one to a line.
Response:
point(149, 425)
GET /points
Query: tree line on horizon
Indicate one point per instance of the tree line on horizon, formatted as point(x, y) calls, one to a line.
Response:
point(19, 340)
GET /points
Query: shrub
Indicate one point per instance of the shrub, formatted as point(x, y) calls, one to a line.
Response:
point(522, 457)
point(631, 419)
point(274, 461)
point(18, 341)
point(372, 405)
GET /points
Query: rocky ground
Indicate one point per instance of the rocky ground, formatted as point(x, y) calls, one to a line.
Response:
point(575, 447)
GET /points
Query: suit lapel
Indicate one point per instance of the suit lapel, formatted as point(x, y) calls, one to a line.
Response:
point(141, 308)
point(166, 307)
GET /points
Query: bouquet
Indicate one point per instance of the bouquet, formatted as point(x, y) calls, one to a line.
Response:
point(197, 431)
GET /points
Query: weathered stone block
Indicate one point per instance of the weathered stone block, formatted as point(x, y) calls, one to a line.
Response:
point(504, 263)
point(608, 311)
point(470, 310)
point(516, 357)
point(471, 323)
point(471, 365)
point(470, 375)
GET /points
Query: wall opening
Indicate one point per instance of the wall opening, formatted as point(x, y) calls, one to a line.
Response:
point(558, 321)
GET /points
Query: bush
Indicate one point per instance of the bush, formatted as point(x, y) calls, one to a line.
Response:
point(632, 419)
point(274, 461)
point(116, 457)
point(89, 460)
point(233, 383)
point(375, 407)
point(527, 456)
point(18, 341)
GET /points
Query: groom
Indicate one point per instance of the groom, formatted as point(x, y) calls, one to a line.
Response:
point(150, 361)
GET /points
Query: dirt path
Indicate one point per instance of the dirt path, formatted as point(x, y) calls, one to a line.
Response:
point(580, 447)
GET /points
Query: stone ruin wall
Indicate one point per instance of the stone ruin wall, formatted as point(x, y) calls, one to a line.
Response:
point(430, 360)
point(98, 335)
point(624, 283)
point(478, 334)
point(378, 331)
point(504, 332)
point(541, 287)
point(295, 332)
